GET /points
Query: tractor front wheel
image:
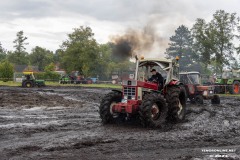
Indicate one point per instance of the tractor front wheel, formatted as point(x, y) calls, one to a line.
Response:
point(199, 99)
point(216, 99)
point(153, 110)
point(176, 99)
point(105, 108)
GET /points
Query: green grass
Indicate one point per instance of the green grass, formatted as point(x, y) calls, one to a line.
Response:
point(10, 83)
point(114, 86)
point(229, 95)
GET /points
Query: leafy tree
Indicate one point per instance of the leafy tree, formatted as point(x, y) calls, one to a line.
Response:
point(20, 42)
point(80, 51)
point(57, 55)
point(49, 72)
point(235, 64)
point(49, 68)
point(3, 54)
point(214, 40)
point(181, 45)
point(19, 56)
point(223, 27)
point(41, 57)
point(108, 63)
point(102, 67)
point(202, 43)
point(6, 70)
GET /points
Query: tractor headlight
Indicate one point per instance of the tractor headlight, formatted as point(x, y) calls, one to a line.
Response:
point(125, 97)
point(133, 97)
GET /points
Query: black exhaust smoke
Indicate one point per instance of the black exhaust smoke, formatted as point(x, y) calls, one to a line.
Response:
point(133, 42)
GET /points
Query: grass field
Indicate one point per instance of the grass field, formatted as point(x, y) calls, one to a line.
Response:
point(229, 95)
point(9, 83)
point(85, 85)
point(114, 86)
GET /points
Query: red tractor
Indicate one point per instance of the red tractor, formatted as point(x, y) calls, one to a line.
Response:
point(149, 101)
point(195, 91)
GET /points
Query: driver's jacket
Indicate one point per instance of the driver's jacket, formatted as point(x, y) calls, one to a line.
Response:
point(158, 78)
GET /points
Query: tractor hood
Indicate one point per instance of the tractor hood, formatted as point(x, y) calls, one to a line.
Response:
point(205, 88)
point(40, 80)
point(147, 85)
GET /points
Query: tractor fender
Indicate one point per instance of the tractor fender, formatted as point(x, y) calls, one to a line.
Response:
point(230, 81)
point(174, 82)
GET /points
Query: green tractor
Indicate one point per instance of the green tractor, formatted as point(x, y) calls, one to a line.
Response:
point(229, 82)
point(65, 80)
point(29, 80)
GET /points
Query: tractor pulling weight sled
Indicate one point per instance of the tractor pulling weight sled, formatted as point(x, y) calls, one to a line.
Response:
point(149, 101)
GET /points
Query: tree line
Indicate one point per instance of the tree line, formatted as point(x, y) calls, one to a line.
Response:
point(80, 52)
point(207, 47)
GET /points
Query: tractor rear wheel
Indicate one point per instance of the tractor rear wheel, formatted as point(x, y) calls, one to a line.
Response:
point(176, 99)
point(105, 108)
point(235, 89)
point(153, 110)
point(27, 84)
point(216, 99)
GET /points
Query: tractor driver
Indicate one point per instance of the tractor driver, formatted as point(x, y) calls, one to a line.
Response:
point(156, 77)
point(28, 77)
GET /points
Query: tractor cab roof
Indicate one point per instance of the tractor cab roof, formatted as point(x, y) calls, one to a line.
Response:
point(27, 73)
point(163, 62)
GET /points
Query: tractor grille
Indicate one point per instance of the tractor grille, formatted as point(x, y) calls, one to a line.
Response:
point(130, 92)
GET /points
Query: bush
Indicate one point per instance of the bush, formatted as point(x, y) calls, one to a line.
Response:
point(6, 71)
point(50, 76)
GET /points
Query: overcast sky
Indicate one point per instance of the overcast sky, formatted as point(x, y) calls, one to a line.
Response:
point(46, 23)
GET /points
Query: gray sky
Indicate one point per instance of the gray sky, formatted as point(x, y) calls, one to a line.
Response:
point(46, 23)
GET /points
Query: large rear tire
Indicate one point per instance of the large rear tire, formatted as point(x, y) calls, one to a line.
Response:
point(176, 99)
point(105, 108)
point(153, 110)
point(235, 88)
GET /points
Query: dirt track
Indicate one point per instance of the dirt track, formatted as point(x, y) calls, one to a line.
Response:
point(63, 123)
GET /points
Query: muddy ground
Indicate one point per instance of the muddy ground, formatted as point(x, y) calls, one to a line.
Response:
point(63, 123)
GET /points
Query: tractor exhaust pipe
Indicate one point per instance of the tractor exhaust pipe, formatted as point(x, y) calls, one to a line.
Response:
point(136, 71)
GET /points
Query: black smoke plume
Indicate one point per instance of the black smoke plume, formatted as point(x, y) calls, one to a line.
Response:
point(133, 42)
